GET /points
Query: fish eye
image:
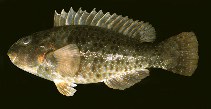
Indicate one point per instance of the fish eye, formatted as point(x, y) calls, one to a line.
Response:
point(26, 40)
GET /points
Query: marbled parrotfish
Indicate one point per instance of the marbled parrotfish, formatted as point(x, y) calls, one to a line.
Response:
point(84, 48)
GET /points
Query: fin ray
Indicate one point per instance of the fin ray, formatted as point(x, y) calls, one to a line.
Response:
point(96, 18)
point(120, 23)
point(110, 20)
point(139, 30)
point(114, 22)
point(102, 21)
point(64, 88)
point(90, 17)
point(68, 60)
point(83, 16)
point(182, 53)
point(125, 26)
point(78, 16)
point(127, 79)
point(70, 17)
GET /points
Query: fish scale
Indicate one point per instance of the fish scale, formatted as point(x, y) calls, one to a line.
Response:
point(98, 55)
point(95, 53)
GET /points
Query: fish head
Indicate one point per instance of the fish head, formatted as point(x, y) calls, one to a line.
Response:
point(27, 54)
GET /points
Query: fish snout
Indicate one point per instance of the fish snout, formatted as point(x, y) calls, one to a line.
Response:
point(12, 56)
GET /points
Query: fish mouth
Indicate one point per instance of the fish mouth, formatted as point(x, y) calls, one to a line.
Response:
point(12, 56)
point(26, 67)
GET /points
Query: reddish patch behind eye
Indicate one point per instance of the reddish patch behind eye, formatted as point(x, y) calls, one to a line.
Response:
point(41, 58)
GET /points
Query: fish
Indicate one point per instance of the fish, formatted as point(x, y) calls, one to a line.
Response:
point(85, 48)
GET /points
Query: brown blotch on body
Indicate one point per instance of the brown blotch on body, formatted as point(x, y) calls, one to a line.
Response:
point(98, 76)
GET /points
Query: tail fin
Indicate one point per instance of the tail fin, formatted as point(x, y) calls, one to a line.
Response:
point(183, 52)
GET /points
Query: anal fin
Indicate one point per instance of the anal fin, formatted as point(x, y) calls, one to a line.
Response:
point(127, 79)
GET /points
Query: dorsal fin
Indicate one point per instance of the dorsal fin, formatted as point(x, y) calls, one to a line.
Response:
point(139, 30)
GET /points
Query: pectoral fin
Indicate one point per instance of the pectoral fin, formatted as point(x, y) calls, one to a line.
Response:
point(68, 60)
point(65, 89)
point(127, 79)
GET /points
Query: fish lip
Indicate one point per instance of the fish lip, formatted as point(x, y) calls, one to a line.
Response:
point(12, 56)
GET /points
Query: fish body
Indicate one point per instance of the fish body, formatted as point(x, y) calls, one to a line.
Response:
point(94, 47)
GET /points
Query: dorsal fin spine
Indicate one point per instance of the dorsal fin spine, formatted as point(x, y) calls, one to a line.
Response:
point(63, 14)
point(96, 18)
point(62, 18)
point(90, 17)
point(78, 16)
point(110, 19)
point(56, 18)
point(101, 22)
point(140, 30)
point(83, 16)
point(114, 22)
point(70, 17)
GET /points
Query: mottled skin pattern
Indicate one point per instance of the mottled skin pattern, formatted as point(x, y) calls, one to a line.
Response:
point(87, 54)
point(103, 53)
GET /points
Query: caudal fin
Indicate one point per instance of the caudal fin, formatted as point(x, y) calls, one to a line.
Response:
point(183, 52)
